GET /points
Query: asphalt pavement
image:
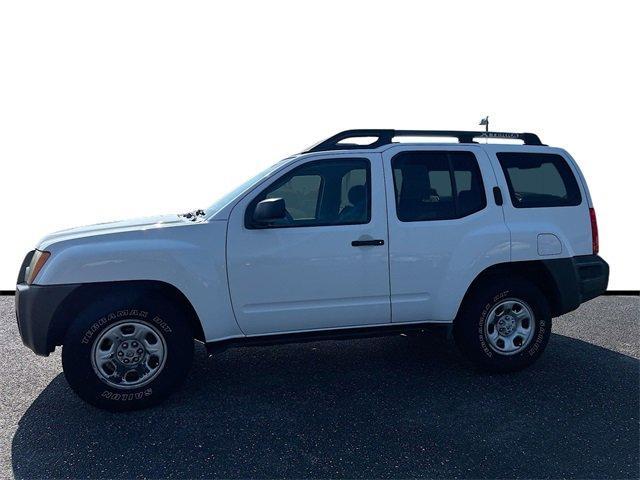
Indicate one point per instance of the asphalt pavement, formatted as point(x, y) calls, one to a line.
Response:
point(395, 407)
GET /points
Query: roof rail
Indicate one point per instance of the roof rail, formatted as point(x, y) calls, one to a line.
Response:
point(385, 137)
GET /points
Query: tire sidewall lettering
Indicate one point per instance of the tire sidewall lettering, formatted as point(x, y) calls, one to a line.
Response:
point(95, 327)
point(483, 318)
point(541, 326)
point(531, 350)
point(126, 396)
point(119, 315)
point(157, 313)
point(160, 323)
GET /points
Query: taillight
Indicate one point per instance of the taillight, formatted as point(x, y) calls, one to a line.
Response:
point(594, 231)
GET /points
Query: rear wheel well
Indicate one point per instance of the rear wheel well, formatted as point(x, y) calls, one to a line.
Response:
point(128, 291)
point(534, 271)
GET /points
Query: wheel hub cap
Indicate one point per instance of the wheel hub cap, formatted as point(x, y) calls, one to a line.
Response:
point(509, 326)
point(129, 354)
point(506, 325)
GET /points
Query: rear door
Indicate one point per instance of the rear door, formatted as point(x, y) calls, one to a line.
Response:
point(444, 227)
point(545, 204)
point(324, 266)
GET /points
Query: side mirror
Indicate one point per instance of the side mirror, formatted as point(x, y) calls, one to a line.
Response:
point(269, 210)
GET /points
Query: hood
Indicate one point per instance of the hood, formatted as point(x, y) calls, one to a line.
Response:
point(111, 227)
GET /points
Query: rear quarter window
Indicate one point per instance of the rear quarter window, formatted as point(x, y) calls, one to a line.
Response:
point(539, 180)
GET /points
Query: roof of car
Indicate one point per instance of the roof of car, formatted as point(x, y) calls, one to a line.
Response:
point(371, 139)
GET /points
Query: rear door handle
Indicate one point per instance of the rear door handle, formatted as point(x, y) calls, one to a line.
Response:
point(365, 243)
point(497, 195)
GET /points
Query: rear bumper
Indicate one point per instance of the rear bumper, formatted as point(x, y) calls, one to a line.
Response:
point(593, 272)
point(35, 309)
point(577, 280)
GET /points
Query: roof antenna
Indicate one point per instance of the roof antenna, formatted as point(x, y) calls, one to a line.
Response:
point(485, 122)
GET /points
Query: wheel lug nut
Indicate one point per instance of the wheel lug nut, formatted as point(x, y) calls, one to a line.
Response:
point(134, 344)
point(120, 354)
point(125, 345)
point(126, 360)
point(139, 351)
point(135, 359)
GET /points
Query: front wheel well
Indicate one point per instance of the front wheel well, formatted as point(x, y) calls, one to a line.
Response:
point(534, 271)
point(128, 291)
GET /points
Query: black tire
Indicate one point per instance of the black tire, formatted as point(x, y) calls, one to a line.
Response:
point(471, 335)
point(104, 316)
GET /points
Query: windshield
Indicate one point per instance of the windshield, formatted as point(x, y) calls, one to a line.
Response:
point(229, 197)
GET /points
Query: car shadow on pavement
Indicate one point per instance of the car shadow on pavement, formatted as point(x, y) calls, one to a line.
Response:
point(390, 407)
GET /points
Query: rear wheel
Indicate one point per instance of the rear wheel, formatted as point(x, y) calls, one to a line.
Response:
point(504, 325)
point(126, 356)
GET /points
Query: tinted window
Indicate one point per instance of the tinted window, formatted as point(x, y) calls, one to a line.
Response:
point(468, 184)
point(539, 180)
point(301, 194)
point(353, 178)
point(327, 192)
point(433, 185)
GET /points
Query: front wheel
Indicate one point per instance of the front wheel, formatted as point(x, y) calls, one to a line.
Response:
point(127, 355)
point(504, 326)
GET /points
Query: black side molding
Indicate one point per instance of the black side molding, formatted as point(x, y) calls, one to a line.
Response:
point(384, 330)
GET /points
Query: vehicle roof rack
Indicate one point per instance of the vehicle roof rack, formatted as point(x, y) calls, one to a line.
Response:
point(385, 137)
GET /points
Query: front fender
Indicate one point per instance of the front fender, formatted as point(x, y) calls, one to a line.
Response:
point(189, 257)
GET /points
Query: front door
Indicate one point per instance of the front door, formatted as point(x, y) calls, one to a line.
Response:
point(325, 265)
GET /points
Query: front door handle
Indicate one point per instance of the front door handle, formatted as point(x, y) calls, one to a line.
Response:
point(365, 243)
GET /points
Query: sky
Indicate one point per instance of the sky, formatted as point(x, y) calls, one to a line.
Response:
point(112, 110)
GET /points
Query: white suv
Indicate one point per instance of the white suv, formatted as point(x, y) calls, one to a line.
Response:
point(360, 235)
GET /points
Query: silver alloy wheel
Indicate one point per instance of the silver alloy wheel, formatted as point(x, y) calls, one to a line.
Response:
point(129, 354)
point(509, 326)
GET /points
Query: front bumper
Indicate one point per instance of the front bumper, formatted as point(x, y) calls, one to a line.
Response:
point(36, 306)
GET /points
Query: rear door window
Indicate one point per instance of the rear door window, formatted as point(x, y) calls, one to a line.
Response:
point(437, 185)
point(539, 180)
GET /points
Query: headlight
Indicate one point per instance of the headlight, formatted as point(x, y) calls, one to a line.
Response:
point(37, 262)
